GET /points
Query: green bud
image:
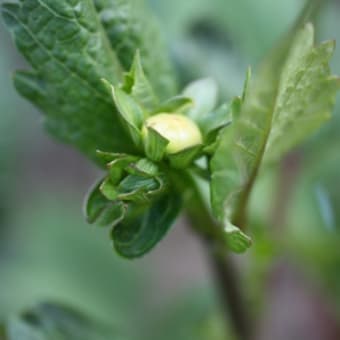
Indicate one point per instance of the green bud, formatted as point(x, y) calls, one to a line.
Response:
point(179, 130)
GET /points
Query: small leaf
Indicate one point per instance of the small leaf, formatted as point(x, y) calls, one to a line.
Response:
point(96, 202)
point(118, 166)
point(112, 215)
point(102, 211)
point(184, 158)
point(178, 104)
point(203, 93)
point(52, 321)
point(211, 123)
point(138, 86)
point(155, 144)
point(140, 188)
point(108, 189)
point(237, 241)
point(131, 113)
point(136, 235)
point(144, 167)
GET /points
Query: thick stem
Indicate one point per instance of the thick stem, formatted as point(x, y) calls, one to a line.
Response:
point(228, 286)
point(223, 271)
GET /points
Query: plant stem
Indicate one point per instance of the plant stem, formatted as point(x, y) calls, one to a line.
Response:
point(228, 286)
point(223, 270)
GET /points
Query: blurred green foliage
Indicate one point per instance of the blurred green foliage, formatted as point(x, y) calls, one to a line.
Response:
point(44, 259)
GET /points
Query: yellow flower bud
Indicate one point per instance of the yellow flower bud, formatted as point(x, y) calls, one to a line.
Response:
point(181, 131)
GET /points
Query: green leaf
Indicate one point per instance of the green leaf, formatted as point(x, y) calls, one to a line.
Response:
point(108, 189)
point(283, 104)
point(131, 112)
point(306, 96)
point(117, 166)
point(212, 122)
point(130, 27)
point(136, 235)
point(102, 211)
point(177, 104)
point(144, 167)
point(184, 158)
point(236, 240)
point(203, 93)
point(138, 86)
point(69, 53)
point(155, 144)
point(140, 189)
point(51, 321)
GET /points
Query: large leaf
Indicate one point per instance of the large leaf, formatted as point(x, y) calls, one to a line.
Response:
point(69, 53)
point(130, 26)
point(55, 322)
point(283, 104)
point(137, 234)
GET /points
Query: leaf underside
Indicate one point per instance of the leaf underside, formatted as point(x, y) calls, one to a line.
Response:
point(279, 110)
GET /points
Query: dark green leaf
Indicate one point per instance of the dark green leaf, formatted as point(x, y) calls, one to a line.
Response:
point(95, 203)
point(102, 211)
point(55, 322)
point(144, 167)
point(69, 54)
point(136, 235)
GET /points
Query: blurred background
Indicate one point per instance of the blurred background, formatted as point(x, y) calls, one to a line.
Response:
point(292, 274)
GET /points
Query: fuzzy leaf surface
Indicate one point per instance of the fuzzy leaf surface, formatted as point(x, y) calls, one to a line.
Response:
point(69, 53)
point(282, 105)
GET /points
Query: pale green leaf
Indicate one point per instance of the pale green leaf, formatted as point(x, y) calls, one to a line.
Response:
point(284, 104)
point(203, 93)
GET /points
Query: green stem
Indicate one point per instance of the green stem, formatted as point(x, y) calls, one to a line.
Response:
point(223, 270)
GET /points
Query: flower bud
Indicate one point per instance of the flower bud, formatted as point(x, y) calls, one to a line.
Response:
point(180, 130)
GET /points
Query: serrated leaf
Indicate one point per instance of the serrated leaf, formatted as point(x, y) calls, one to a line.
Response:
point(137, 85)
point(69, 54)
point(284, 103)
point(131, 112)
point(52, 321)
point(131, 27)
point(136, 235)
